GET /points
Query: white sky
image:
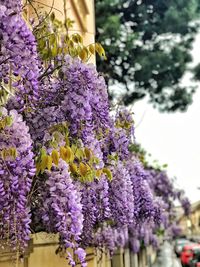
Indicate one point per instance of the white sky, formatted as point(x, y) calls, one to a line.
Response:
point(174, 138)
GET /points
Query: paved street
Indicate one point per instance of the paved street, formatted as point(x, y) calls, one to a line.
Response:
point(166, 257)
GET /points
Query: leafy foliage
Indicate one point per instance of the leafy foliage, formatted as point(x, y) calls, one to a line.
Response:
point(81, 160)
point(54, 39)
point(149, 48)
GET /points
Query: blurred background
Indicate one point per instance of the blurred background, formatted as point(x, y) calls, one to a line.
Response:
point(153, 67)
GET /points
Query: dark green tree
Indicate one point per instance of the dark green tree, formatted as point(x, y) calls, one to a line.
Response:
point(148, 45)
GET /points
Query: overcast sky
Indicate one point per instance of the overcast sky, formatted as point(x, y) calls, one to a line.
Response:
point(174, 138)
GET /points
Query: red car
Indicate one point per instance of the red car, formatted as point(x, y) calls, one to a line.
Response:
point(195, 261)
point(188, 252)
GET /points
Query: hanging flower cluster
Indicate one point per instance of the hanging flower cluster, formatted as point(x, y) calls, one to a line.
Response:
point(18, 58)
point(87, 185)
point(16, 171)
point(12, 6)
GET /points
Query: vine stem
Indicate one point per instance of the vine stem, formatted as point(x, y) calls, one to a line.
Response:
point(46, 73)
point(4, 61)
point(65, 16)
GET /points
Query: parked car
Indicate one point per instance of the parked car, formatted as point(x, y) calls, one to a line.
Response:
point(179, 244)
point(195, 239)
point(188, 252)
point(195, 261)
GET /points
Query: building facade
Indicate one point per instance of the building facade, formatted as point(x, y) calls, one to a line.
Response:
point(191, 224)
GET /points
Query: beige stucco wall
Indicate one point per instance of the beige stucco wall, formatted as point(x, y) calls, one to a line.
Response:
point(81, 11)
point(43, 254)
point(195, 218)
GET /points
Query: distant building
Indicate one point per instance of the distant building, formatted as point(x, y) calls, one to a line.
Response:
point(191, 224)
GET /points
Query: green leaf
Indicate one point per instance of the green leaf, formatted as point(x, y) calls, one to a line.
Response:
point(43, 163)
point(71, 44)
point(41, 44)
point(92, 49)
point(46, 54)
point(88, 153)
point(69, 23)
point(79, 154)
point(38, 165)
point(52, 16)
point(75, 38)
point(83, 54)
point(100, 50)
point(72, 52)
point(49, 162)
point(108, 173)
point(99, 172)
point(73, 168)
point(67, 154)
point(9, 120)
point(83, 169)
point(55, 157)
point(67, 39)
point(43, 152)
point(54, 51)
point(52, 39)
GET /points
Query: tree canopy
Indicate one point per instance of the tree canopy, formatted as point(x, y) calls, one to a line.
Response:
point(148, 44)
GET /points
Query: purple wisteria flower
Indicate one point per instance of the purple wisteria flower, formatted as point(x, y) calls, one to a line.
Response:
point(12, 5)
point(143, 197)
point(62, 208)
point(111, 238)
point(15, 181)
point(18, 57)
point(121, 196)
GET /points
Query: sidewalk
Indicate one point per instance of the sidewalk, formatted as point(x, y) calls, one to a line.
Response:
point(166, 257)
